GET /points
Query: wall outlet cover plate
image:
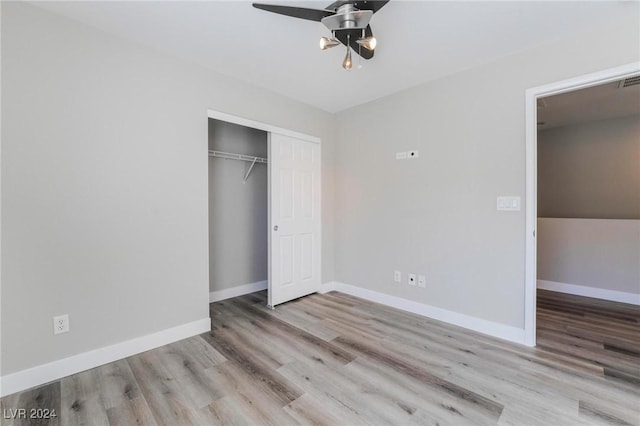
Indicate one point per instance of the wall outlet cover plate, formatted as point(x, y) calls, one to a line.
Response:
point(61, 324)
point(412, 279)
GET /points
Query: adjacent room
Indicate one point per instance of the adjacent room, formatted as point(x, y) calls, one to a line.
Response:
point(359, 212)
point(588, 268)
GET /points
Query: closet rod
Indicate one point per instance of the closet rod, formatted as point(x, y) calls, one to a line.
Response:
point(242, 157)
point(233, 156)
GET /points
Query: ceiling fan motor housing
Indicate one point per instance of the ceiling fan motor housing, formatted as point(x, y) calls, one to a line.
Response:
point(347, 17)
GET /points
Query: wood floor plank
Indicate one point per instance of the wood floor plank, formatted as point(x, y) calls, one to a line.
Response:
point(439, 384)
point(290, 336)
point(228, 413)
point(304, 320)
point(132, 412)
point(253, 366)
point(307, 410)
point(81, 399)
point(251, 400)
point(598, 412)
point(117, 384)
point(46, 398)
point(244, 331)
point(332, 388)
point(165, 394)
point(425, 405)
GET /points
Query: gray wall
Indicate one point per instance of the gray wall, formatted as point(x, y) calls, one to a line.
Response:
point(104, 184)
point(437, 214)
point(590, 170)
point(237, 211)
point(596, 253)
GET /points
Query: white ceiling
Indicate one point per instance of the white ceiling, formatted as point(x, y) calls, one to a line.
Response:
point(418, 41)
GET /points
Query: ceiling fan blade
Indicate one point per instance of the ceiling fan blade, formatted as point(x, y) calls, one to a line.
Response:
point(372, 5)
point(295, 12)
point(343, 35)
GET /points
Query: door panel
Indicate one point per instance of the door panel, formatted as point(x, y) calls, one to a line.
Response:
point(286, 260)
point(294, 218)
point(306, 254)
point(286, 194)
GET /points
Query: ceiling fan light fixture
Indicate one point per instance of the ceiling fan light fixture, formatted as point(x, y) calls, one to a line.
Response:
point(368, 43)
point(327, 43)
point(345, 19)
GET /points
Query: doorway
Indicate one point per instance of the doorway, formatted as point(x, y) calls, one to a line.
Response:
point(265, 210)
point(533, 96)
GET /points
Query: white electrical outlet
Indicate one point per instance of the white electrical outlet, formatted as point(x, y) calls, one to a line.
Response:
point(412, 154)
point(412, 279)
point(61, 324)
point(397, 276)
point(422, 281)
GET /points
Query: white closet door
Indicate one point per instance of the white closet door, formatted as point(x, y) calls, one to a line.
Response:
point(294, 218)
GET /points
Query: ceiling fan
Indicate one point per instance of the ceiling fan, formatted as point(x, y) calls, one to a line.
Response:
point(348, 22)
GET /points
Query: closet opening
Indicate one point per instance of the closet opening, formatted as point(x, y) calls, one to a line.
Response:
point(264, 210)
point(238, 210)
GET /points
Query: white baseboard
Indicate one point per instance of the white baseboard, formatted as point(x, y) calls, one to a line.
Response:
point(241, 290)
point(327, 287)
point(597, 293)
point(502, 331)
point(55, 370)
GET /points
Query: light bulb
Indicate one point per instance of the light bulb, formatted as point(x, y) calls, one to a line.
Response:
point(373, 42)
point(347, 64)
point(368, 43)
point(326, 43)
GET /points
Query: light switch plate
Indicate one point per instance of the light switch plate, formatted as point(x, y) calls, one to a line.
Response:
point(397, 276)
point(505, 203)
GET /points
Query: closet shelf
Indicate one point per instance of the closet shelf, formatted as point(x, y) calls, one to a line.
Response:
point(232, 156)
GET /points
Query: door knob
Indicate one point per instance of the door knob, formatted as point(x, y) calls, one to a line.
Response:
point(275, 228)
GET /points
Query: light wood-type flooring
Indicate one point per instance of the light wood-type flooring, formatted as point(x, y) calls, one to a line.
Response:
point(335, 359)
point(602, 333)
